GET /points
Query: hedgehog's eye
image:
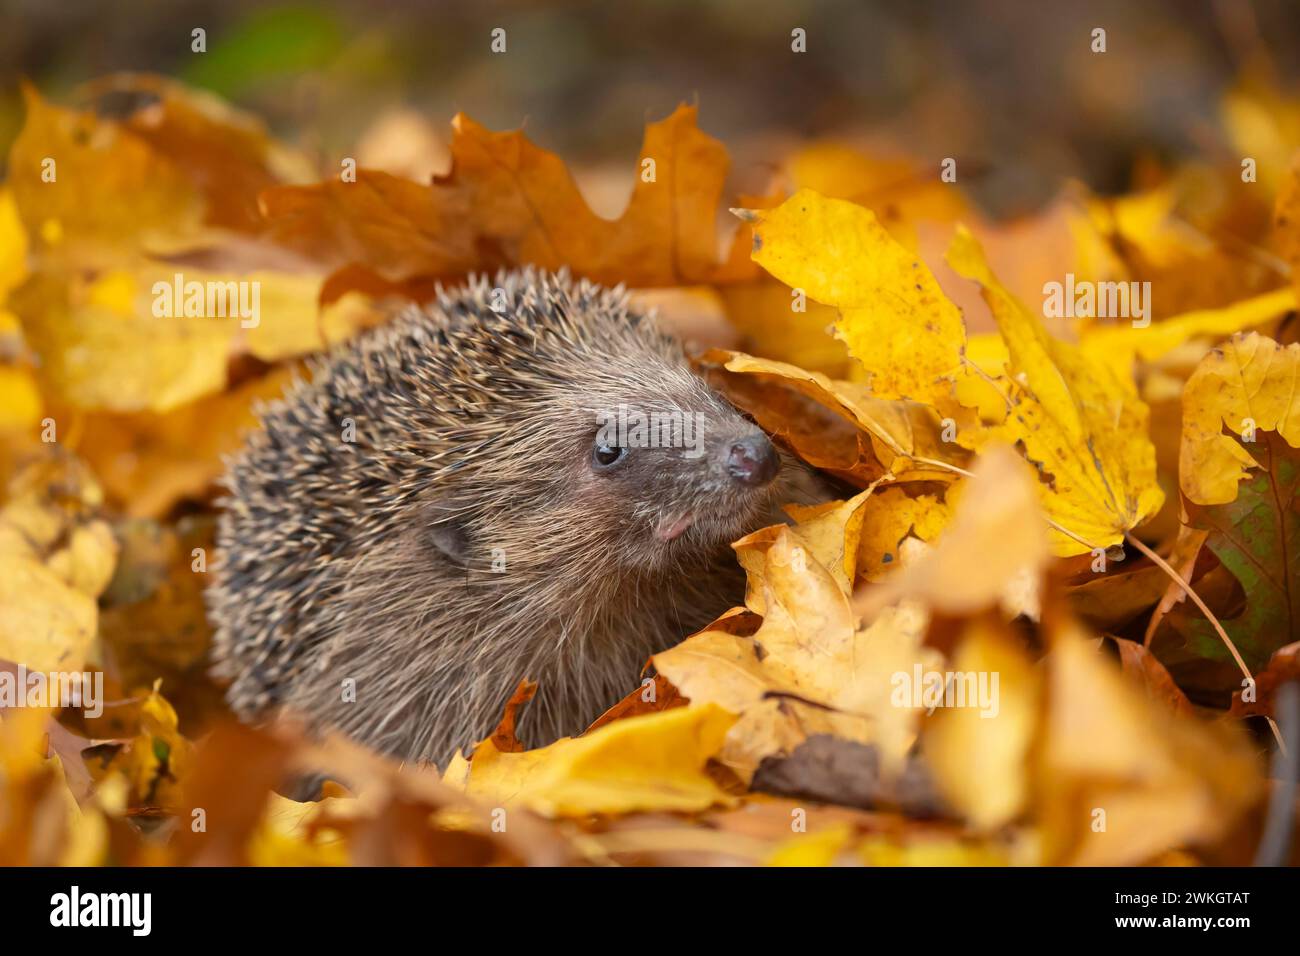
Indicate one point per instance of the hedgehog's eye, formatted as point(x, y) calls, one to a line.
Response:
point(607, 456)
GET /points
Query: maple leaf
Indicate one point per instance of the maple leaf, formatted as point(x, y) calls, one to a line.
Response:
point(893, 316)
point(1081, 424)
point(156, 172)
point(508, 202)
point(523, 200)
point(807, 670)
point(390, 225)
point(154, 167)
point(992, 551)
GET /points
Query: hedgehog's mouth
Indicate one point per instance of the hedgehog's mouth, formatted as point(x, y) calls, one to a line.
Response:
point(717, 521)
point(670, 529)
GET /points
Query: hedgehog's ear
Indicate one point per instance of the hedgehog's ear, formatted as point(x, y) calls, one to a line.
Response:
point(447, 532)
point(449, 538)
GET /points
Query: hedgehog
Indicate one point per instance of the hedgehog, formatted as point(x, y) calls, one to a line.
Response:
point(469, 496)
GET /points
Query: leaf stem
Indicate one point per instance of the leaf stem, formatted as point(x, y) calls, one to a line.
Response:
point(1209, 616)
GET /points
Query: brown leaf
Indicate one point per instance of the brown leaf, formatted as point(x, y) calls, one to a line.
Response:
point(1141, 664)
point(1282, 667)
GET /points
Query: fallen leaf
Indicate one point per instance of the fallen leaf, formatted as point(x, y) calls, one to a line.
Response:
point(523, 201)
point(157, 762)
point(1247, 386)
point(807, 669)
point(103, 348)
point(1256, 538)
point(1118, 347)
point(1142, 665)
point(1282, 667)
point(979, 752)
point(904, 438)
point(1082, 426)
point(650, 762)
point(1120, 779)
point(107, 190)
point(992, 552)
point(889, 517)
point(56, 556)
point(893, 316)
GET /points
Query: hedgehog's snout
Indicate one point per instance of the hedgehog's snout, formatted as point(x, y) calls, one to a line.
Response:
point(752, 461)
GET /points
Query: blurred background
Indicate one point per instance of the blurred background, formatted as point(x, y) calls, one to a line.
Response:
point(1009, 87)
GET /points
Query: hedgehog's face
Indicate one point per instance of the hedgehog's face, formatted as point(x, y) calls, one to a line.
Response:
point(677, 474)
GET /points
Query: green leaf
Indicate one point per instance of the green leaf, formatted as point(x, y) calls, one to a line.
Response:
point(1257, 538)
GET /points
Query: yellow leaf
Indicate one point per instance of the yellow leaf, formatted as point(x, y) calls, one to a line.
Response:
point(148, 461)
point(649, 762)
point(1119, 778)
point(156, 762)
point(44, 623)
point(813, 849)
point(292, 324)
point(980, 757)
point(1251, 384)
point(41, 822)
point(992, 551)
point(108, 190)
point(906, 191)
point(20, 400)
point(102, 347)
point(807, 650)
point(1083, 426)
point(987, 353)
point(1263, 123)
point(894, 318)
point(54, 562)
point(1118, 346)
point(761, 312)
point(832, 532)
point(286, 837)
point(941, 850)
point(13, 245)
point(1145, 221)
point(888, 517)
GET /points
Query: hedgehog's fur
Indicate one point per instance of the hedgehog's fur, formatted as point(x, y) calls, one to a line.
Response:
point(373, 559)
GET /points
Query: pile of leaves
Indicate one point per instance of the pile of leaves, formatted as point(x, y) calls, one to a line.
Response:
point(1094, 518)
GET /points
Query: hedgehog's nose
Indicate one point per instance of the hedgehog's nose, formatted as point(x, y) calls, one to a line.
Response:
point(753, 461)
